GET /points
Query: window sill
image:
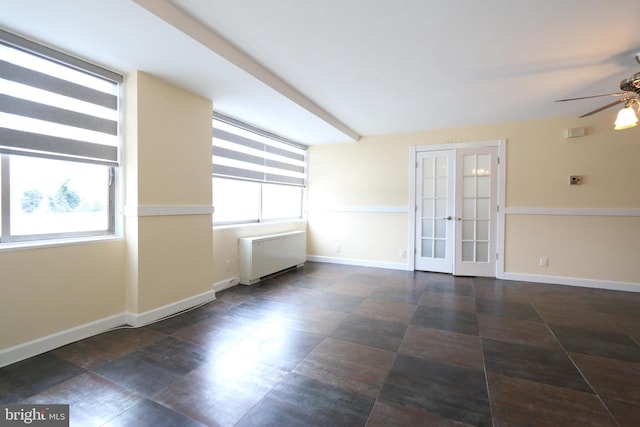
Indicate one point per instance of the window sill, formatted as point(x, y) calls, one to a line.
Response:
point(40, 244)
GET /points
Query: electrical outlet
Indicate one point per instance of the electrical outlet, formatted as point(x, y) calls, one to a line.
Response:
point(403, 253)
point(227, 265)
point(543, 261)
point(338, 247)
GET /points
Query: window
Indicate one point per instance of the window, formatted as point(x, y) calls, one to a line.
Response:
point(257, 176)
point(59, 144)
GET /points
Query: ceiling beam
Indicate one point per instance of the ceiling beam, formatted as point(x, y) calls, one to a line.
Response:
point(180, 20)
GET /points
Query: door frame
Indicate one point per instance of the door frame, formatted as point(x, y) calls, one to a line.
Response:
point(500, 144)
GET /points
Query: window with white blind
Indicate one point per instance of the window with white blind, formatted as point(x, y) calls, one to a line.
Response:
point(59, 143)
point(257, 176)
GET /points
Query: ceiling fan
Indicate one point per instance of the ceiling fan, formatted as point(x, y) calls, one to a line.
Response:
point(629, 95)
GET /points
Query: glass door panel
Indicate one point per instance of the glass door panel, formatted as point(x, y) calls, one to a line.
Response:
point(434, 210)
point(476, 195)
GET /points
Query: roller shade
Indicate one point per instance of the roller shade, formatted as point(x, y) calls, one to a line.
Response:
point(55, 106)
point(245, 153)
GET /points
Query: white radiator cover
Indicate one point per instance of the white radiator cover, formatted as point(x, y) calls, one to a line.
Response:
point(264, 255)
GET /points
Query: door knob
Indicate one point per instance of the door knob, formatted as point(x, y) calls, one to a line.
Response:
point(448, 218)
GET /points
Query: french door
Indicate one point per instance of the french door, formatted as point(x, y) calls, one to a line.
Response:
point(435, 208)
point(456, 194)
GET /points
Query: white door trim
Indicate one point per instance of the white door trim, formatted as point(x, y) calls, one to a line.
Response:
point(501, 146)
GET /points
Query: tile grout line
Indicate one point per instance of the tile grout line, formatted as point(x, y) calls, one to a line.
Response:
point(484, 363)
point(586, 380)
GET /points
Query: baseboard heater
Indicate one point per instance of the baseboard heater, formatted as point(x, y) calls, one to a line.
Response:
point(262, 256)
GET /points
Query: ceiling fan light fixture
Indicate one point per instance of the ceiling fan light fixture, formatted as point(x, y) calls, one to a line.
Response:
point(626, 118)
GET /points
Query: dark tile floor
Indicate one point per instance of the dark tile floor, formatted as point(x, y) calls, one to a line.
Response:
point(333, 345)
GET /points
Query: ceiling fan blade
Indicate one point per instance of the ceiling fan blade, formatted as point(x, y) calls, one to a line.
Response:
point(593, 96)
point(597, 110)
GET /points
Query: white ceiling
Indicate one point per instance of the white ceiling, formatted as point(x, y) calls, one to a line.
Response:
point(328, 70)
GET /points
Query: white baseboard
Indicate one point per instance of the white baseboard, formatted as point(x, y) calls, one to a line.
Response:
point(361, 263)
point(225, 284)
point(141, 319)
point(41, 345)
point(573, 281)
point(536, 278)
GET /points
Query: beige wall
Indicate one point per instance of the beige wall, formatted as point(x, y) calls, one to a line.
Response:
point(48, 290)
point(357, 193)
point(173, 144)
point(362, 237)
point(168, 140)
point(599, 248)
point(174, 262)
point(540, 160)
